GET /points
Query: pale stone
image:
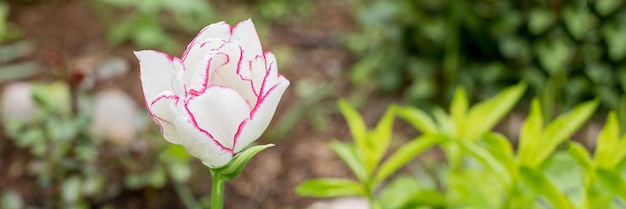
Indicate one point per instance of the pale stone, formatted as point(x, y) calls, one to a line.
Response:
point(17, 102)
point(342, 203)
point(114, 117)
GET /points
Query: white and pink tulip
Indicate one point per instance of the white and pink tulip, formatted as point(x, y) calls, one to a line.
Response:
point(219, 97)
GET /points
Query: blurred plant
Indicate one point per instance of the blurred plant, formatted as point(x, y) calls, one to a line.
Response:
point(53, 135)
point(8, 32)
point(365, 158)
point(149, 23)
point(483, 171)
point(67, 157)
point(10, 199)
point(284, 11)
point(568, 51)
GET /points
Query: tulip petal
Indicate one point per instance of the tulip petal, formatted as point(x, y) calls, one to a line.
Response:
point(161, 113)
point(218, 112)
point(156, 70)
point(223, 70)
point(196, 59)
point(219, 30)
point(246, 33)
point(260, 117)
point(197, 142)
point(270, 76)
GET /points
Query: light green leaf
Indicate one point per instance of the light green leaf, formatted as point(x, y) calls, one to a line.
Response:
point(378, 140)
point(488, 159)
point(530, 136)
point(444, 122)
point(357, 126)
point(563, 170)
point(579, 153)
point(403, 155)
point(348, 154)
point(612, 181)
point(502, 150)
point(330, 188)
point(607, 142)
point(540, 20)
point(483, 116)
point(237, 164)
point(562, 128)
point(406, 192)
point(458, 109)
point(419, 119)
point(542, 186)
point(605, 7)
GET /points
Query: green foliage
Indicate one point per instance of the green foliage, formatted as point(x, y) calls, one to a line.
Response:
point(67, 160)
point(237, 164)
point(568, 51)
point(147, 26)
point(365, 158)
point(8, 31)
point(483, 170)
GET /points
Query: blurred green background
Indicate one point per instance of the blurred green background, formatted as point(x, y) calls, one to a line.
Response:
point(372, 51)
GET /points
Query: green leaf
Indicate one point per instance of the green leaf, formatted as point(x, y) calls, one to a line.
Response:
point(562, 128)
point(564, 171)
point(542, 186)
point(540, 20)
point(237, 164)
point(483, 116)
point(406, 192)
point(607, 144)
point(403, 155)
point(330, 188)
point(357, 126)
point(489, 160)
point(501, 149)
point(612, 181)
point(348, 154)
point(458, 109)
point(445, 122)
point(378, 140)
point(530, 135)
point(579, 153)
point(605, 7)
point(419, 119)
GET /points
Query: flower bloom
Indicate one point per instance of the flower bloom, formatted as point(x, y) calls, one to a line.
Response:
point(218, 97)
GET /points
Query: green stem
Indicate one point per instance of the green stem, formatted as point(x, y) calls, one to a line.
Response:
point(217, 191)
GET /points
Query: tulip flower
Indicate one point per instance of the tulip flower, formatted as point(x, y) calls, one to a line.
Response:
point(217, 98)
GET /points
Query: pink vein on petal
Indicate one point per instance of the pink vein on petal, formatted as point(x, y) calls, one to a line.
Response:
point(252, 113)
point(241, 52)
point(195, 124)
point(159, 119)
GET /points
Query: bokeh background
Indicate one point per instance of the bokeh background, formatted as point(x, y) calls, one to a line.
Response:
point(75, 132)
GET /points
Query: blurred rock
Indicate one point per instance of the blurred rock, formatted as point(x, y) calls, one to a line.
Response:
point(112, 67)
point(99, 67)
point(114, 117)
point(17, 102)
point(342, 203)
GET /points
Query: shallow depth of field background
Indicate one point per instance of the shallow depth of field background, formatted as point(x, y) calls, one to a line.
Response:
point(91, 144)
